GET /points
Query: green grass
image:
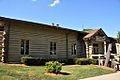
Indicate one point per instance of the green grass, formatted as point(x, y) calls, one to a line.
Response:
point(38, 72)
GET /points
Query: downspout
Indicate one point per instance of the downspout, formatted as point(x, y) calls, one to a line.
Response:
point(67, 45)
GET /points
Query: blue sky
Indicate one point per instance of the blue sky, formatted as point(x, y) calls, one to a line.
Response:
point(73, 14)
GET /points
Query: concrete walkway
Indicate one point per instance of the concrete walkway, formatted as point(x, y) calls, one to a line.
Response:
point(113, 76)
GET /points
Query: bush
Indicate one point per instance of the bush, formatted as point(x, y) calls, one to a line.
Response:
point(93, 61)
point(28, 60)
point(31, 60)
point(53, 67)
point(66, 61)
point(81, 61)
point(85, 61)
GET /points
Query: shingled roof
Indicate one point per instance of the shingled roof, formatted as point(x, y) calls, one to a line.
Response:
point(36, 23)
point(91, 33)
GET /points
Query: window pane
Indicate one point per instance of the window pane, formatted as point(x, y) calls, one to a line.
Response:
point(50, 48)
point(54, 46)
point(96, 50)
point(54, 52)
point(22, 47)
point(75, 48)
point(72, 49)
point(50, 52)
point(93, 50)
point(27, 47)
point(75, 52)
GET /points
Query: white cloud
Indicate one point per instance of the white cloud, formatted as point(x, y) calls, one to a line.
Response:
point(54, 3)
point(34, 0)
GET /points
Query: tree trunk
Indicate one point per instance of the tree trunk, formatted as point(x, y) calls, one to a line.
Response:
point(108, 55)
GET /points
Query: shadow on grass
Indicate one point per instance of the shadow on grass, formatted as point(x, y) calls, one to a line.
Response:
point(58, 74)
point(64, 73)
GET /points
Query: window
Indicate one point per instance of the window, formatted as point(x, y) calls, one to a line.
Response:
point(95, 48)
point(95, 45)
point(74, 49)
point(52, 48)
point(27, 47)
point(24, 47)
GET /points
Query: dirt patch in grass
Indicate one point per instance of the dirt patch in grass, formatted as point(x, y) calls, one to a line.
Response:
point(103, 67)
point(8, 64)
point(19, 72)
point(72, 65)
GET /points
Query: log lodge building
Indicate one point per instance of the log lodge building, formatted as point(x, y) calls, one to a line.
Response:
point(18, 38)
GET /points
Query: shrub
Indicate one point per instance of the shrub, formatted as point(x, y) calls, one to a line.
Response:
point(93, 61)
point(28, 60)
point(66, 61)
point(53, 67)
point(85, 61)
point(31, 60)
point(81, 61)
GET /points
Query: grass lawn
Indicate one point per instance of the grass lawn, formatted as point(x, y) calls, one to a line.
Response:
point(75, 72)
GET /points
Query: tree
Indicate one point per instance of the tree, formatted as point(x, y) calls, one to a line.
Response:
point(87, 29)
point(119, 37)
point(108, 55)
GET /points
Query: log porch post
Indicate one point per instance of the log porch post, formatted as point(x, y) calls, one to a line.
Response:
point(87, 49)
point(105, 48)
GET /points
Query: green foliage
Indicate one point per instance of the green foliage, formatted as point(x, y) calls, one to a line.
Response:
point(85, 61)
point(66, 61)
point(87, 29)
point(37, 61)
point(28, 60)
point(119, 37)
point(31, 60)
point(53, 67)
point(93, 61)
point(81, 61)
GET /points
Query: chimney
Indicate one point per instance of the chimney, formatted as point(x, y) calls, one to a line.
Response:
point(57, 25)
point(53, 24)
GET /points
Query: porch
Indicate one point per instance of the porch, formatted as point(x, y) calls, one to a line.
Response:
point(96, 43)
point(96, 49)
